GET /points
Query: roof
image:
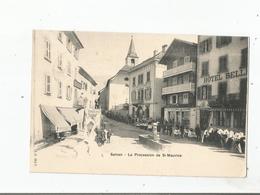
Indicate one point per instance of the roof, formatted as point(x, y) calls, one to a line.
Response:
point(74, 38)
point(147, 61)
point(175, 45)
point(131, 51)
point(125, 68)
point(84, 73)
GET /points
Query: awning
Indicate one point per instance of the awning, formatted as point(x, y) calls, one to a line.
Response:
point(56, 118)
point(70, 115)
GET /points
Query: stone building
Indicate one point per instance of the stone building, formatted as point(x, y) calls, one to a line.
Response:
point(145, 83)
point(55, 59)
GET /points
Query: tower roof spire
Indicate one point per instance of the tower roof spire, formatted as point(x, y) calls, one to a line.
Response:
point(131, 50)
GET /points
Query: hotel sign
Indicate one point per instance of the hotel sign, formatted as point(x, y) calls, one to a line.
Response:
point(225, 76)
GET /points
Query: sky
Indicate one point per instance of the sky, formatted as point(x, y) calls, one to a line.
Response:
point(104, 52)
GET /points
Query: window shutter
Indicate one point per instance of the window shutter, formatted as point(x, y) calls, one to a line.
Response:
point(199, 93)
point(45, 83)
point(218, 42)
point(209, 44)
point(209, 91)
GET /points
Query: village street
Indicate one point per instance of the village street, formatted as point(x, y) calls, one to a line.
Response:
point(184, 156)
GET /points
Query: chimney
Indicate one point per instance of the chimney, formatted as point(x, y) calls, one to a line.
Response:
point(154, 52)
point(164, 47)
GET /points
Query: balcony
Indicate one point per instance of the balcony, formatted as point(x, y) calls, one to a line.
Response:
point(228, 101)
point(178, 88)
point(187, 67)
point(141, 101)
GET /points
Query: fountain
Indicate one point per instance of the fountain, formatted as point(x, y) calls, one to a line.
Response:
point(153, 140)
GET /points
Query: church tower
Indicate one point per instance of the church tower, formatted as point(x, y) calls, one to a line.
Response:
point(131, 58)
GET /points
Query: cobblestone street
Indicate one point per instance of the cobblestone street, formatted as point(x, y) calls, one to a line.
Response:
point(184, 156)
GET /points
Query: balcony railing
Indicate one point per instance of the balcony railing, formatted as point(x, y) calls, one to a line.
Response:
point(230, 100)
point(178, 88)
point(138, 101)
point(187, 67)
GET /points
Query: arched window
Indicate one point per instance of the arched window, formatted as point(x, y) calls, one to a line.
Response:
point(132, 61)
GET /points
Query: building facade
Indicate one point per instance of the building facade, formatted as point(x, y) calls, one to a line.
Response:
point(222, 81)
point(84, 90)
point(145, 87)
point(178, 91)
point(55, 59)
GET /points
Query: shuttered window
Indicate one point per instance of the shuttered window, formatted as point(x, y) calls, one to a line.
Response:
point(199, 93)
point(223, 41)
point(244, 58)
point(59, 89)
point(47, 85)
point(47, 54)
point(205, 68)
point(205, 46)
point(223, 64)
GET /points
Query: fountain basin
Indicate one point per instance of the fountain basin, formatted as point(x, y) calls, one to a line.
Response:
point(151, 143)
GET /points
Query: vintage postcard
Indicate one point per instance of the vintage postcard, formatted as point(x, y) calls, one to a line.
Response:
point(139, 104)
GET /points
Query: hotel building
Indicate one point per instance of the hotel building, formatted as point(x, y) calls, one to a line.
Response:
point(222, 81)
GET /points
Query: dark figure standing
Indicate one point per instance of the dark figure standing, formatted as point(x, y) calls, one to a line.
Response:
point(198, 132)
point(182, 130)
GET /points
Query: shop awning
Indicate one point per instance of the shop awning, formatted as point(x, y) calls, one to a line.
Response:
point(70, 115)
point(56, 118)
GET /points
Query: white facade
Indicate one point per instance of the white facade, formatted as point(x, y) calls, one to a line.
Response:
point(117, 90)
point(222, 81)
point(145, 84)
point(54, 63)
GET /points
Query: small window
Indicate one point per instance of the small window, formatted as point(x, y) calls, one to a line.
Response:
point(126, 79)
point(175, 63)
point(205, 46)
point(223, 41)
point(140, 79)
point(148, 76)
point(134, 81)
point(186, 59)
point(133, 62)
point(205, 69)
point(222, 90)
point(223, 64)
point(59, 89)
point(86, 86)
point(174, 99)
point(133, 95)
point(76, 53)
point(69, 69)
point(185, 98)
point(180, 80)
point(47, 54)
point(204, 93)
point(244, 58)
point(69, 44)
point(60, 62)
point(148, 93)
point(69, 93)
point(47, 85)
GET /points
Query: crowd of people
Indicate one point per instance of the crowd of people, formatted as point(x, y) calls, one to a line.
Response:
point(118, 117)
point(229, 139)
